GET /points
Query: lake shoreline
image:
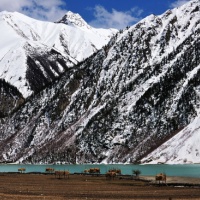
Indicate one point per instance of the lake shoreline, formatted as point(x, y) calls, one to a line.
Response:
point(176, 181)
point(171, 180)
point(187, 171)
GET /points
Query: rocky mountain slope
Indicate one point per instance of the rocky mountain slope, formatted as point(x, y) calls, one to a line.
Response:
point(119, 104)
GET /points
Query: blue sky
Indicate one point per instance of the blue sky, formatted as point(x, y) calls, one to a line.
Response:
point(98, 13)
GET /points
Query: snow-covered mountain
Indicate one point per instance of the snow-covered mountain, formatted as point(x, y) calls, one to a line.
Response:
point(118, 105)
point(182, 148)
point(31, 48)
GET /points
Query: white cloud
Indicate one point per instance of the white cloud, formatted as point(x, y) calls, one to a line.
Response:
point(178, 3)
point(50, 10)
point(15, 5)
point(115, 19)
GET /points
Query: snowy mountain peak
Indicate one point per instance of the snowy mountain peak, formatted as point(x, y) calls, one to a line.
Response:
point(74, 19)
point(64, 45)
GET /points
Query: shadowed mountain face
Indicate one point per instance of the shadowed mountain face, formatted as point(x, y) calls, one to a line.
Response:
point(119, 104)
point(10, 99)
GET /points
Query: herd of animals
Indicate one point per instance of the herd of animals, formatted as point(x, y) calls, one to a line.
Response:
point(110, 174)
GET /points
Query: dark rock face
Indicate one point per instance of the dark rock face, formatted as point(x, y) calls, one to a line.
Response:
point(10, 99)
point(44, 66)
point(44, 69)
point(116, 106)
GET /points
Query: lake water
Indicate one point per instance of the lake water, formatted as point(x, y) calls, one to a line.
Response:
point(190, 170)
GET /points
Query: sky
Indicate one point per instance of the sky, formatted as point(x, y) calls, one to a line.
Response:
point(98, 13)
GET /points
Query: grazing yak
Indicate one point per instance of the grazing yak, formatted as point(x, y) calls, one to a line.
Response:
point(92, 171)
point(110, 175)
point(117, 171)
point(21, 170)
point(161, 178)
point(49, 170)
point(59, 174)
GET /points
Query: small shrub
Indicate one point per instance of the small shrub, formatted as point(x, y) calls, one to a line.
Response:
point(136, 172)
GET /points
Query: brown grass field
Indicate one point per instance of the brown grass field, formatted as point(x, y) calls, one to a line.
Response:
point(41, 186)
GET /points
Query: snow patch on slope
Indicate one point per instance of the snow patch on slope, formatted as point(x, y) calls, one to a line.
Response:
point(181, 149)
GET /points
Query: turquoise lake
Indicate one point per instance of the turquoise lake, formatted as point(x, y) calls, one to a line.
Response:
point(187, 170)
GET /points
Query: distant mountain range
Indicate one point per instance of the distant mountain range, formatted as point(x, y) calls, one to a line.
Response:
point(139, 89)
